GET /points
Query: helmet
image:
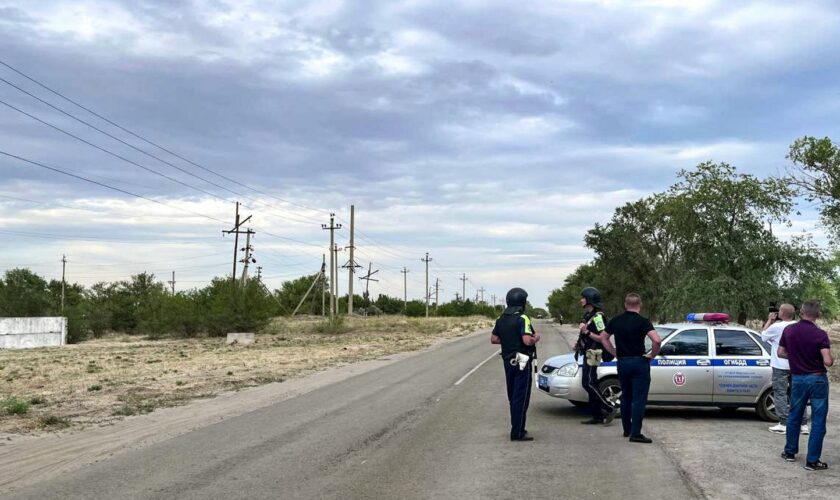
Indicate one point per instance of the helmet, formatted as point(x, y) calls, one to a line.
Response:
point(592, 296)
point(516, 297)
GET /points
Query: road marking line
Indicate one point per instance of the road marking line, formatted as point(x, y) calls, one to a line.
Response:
point(476, 368)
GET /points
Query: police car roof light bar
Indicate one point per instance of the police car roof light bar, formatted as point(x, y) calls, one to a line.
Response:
point(708, 317)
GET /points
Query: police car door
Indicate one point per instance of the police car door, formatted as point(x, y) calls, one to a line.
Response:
point(739, 366)
point(683, 370)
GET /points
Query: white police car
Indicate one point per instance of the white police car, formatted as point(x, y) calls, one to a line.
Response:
point(701, 363)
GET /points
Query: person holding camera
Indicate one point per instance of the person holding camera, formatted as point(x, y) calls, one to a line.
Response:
point(777, 321)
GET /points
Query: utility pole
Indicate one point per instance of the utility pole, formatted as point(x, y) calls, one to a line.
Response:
point(323, 277)
point(405, 289)
point(63, 282)
point(494, 300)
point(437, 292)
point(333, 271)
point(259, 274)
point(482, 294)
point(351, 263)
point(427, 259)
point(236, 231)
point(172, 283)
point(457, 297)
point(464, 286)
point(368, 278)
point(336, 249)
point(248, 258)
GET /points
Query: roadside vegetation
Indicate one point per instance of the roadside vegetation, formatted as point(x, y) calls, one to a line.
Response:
point(718, 240)
point(98, 381)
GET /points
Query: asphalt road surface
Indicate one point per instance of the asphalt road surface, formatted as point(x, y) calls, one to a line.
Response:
point(431, 426)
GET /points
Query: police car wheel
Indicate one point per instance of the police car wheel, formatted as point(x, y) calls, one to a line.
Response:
point(766, 407)
point(611, 390)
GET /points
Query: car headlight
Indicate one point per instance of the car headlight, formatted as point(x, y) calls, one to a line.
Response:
point(568, 370)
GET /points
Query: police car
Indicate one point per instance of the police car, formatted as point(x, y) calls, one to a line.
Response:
point(705, 361)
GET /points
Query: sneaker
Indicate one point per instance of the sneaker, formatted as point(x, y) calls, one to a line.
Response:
point(789, 457)
point(592, 421)
point(778, 429)
point(804, 430)
point(641, 438)
point(816, 465)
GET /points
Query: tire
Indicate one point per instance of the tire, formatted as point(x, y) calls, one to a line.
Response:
point(611, 390)
point(766, 407)
point(580, 404)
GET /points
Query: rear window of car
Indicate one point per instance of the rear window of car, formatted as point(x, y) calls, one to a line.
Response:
point(755, 336)
point(735, 343)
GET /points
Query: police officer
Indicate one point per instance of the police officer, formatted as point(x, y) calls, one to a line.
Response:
point(518, 339)
point(589, 346)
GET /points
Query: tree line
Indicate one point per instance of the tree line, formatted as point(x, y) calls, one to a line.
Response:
point(711, 242)
point(142, 305)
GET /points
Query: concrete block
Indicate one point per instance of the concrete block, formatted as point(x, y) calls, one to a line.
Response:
point(240, 338)
point(23, 333)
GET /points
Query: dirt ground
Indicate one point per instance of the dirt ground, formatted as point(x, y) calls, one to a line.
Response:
point(99, 381)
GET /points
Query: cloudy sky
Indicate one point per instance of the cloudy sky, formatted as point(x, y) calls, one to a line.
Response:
point(491, 134)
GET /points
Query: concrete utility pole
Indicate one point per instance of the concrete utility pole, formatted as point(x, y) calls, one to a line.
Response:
point(427, 259)
point(482, 294)
point(464, 286)
point(333, 271)
point(336, 249)
point(63, 282)
point(249, 259)
point(494, 300)
point(437, 292)
point(405, 289)
point(236, 231)
point(351, 264)
point(259, 274)
point(172, 283)
point(457, 297)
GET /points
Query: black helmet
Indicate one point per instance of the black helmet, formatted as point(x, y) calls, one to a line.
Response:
point(592, 296)
point(516, 297)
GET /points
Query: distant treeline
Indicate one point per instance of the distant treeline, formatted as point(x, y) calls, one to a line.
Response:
point(718, 241)
point(144, 306)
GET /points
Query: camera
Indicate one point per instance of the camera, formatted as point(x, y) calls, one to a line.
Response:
point(774, 309)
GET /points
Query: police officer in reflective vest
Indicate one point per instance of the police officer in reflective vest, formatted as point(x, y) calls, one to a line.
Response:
point(518, 339)
point(589, 346)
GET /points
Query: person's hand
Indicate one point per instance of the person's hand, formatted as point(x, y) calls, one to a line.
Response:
point(772, 316)
point(649, 356)
point(582, 327)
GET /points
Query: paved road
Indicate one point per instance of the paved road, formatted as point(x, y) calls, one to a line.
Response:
point(402, 431)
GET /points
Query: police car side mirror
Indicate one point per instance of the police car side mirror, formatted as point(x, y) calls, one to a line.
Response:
point(668, 349)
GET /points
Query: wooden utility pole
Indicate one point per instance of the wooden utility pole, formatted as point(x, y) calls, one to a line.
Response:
point(323, 285)
point(172, 283)
point(464, 286)
point(368, 278)
point(427, 259)
point(235, 231)
point(333, 271)
point(405, 289)
point(63, 281)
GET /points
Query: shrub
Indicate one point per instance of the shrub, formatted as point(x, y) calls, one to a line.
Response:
point(94, 388)
point(336, 325)
point(53, 421)
point(15, 406)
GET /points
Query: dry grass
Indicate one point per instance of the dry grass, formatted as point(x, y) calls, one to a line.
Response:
point(101, 380)
point(834, 334)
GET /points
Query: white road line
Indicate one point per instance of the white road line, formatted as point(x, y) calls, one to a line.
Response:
point(476, 368)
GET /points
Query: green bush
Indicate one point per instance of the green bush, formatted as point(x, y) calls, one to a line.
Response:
point(13, 405)
point(336, 325)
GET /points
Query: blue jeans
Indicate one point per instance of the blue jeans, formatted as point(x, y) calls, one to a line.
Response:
point(634, 377)
point(805, 388)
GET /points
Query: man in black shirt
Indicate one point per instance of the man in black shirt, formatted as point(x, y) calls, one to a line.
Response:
point(630, 330)
point(518, 339)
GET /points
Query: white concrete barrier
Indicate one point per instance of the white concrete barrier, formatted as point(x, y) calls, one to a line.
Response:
point(23, 333)
point(240, 338)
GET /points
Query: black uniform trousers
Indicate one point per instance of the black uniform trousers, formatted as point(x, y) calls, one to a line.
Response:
point(519, 395)
point(634, 377)
point(598, 406)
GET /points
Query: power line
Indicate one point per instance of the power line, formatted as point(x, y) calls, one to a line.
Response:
point(148, 141)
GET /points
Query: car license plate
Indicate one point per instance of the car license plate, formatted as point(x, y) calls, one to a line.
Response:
point(542, 381)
